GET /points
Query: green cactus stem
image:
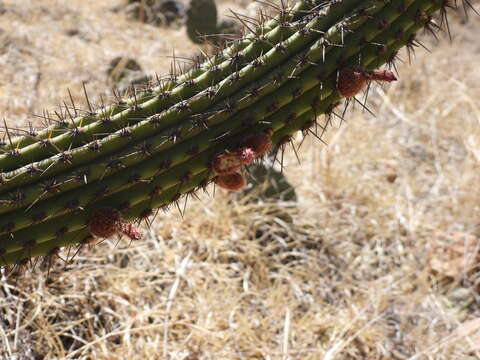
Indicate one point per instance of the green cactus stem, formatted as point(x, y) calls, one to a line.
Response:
point(159, 147)
point(157, 144)
point(148, 168)
point(197, 102)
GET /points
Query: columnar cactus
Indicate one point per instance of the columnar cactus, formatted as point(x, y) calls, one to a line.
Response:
point(148, 151)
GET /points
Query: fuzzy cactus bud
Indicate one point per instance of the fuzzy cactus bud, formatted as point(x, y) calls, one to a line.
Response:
point(259, 143)
point(106, 222)
point(352, 79)
point(228, 163)
point(233, 182)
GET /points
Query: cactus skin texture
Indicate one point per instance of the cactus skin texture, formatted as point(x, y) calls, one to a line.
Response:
point(148, 152)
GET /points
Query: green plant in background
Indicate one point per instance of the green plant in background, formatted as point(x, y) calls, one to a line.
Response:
point(265, 183)
point(204, 26)
point(201, 20)
point(93, 173)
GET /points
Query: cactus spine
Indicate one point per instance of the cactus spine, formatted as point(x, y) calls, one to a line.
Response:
point(147, 152)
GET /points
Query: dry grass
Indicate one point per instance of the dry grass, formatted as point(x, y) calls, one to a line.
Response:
point(345, 273)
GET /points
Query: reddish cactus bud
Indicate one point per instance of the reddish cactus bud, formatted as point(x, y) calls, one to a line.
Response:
point(380, 75)
point(352, 79)
point(104, 222)
point(228, 163)
point(246, 155)
point(259, 143)
point(130, 230)
point(232, 182)
point(107, 222)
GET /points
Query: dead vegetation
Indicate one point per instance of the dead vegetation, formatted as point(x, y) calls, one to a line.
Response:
point(376, 260)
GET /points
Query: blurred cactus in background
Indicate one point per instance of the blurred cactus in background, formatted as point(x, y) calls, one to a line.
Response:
point(147, 152)
point(201, 20)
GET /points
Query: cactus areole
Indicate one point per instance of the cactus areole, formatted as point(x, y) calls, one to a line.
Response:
point(94, 174)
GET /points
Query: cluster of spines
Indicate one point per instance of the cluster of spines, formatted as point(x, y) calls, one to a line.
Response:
point(178, 159)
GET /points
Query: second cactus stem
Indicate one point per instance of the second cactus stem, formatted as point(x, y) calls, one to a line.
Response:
point(92, 175)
